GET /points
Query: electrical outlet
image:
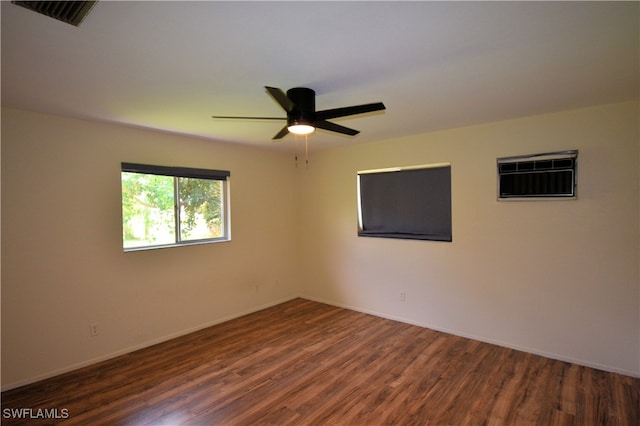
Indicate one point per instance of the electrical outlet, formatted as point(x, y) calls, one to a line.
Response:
point(93, 329)
point(403, 296)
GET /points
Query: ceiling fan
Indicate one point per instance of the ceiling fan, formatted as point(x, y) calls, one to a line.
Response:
point(302, 117)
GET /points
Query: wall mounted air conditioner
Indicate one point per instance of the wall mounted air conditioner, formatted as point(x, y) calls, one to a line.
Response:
point(548, 176)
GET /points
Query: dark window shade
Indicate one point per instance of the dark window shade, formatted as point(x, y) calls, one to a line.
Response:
point(410, 204)
point(176, 171)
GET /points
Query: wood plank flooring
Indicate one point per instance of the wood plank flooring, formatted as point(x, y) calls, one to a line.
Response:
point(306, 363)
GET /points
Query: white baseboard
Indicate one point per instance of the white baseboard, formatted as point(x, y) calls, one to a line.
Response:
point(328, 302)
point(533, 351)
point(142, 345)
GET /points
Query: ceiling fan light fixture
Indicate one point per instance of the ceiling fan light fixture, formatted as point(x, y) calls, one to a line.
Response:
point(301, 129)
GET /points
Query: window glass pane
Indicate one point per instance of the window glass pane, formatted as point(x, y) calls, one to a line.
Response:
point(201, 209)
point(148, 216)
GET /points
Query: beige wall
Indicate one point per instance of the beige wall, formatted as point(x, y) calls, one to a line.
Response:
point(559, 278)
point(63, 266)
point(556, 278)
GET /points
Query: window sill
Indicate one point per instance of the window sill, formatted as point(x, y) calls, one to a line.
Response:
point(182, 244)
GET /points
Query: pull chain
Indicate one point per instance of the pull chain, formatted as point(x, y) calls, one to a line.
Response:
point(306, 150)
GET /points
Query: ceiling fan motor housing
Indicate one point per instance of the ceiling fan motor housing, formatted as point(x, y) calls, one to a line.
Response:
point(304, 109)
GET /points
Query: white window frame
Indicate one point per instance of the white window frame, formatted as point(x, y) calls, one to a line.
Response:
point(183, 172)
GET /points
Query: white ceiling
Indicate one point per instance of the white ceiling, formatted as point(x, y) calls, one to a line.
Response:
point(171, 65)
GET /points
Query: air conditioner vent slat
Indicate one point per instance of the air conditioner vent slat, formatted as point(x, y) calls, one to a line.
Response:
point(70, 12)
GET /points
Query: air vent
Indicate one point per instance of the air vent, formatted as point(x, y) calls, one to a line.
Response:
point(70, 12)
point(539, 176)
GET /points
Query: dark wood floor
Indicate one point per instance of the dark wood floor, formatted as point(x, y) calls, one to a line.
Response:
point(306, 363)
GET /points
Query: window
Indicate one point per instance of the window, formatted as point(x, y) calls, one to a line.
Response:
point(408, 203)
point(540, 176)
point(171, 206)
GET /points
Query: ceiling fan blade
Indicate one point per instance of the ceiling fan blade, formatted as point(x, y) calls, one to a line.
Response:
point(326, 125)
point(352, 110)
point(282, 133)
point(281, 98)
point(227, 117)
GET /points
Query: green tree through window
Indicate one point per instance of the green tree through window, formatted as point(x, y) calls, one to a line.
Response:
point(161, 210)
point(201, 208)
